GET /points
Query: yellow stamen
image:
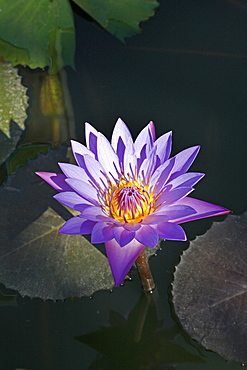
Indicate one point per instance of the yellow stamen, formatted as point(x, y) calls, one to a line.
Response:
point(129, 201)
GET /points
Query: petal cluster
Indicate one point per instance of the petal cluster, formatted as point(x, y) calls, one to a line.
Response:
point(129, 193)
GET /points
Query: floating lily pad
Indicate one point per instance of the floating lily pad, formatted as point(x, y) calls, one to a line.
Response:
point(13, 105)
point(39, 262)
point(34, 258)
point(21, 156)
point(121, 18)
point(210, 289)
point(37, 34)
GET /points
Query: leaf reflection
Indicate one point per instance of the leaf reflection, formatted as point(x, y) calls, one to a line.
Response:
point(138, 341)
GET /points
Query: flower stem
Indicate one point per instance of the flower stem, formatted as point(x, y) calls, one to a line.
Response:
point(145, 273)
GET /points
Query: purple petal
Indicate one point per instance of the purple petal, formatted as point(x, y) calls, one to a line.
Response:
point(203, 209)
point(186, 180)
point(79, 150)
point(72, 200)
point(120, 136)
point(132, 226)
point(122, 236)
point(144, 138)
point(84, 189)
point(56, 180)
point(151, 127)
point(120, 151)
point(175, 211)
point(141, 157)
point(97, 214)
point(73, 171)
point(184, 160)
point(147, 167)
point(171, 231)
point(161, 175)
point(129, 161)
point(95, 171)
point(122, 258)
point(164, 145)
point(147, 236)
point(154, 218)
point(108, 158)
point(77, 225)
point(91, 138)
point(87, 227)
point(102, 232)
point(172, 196)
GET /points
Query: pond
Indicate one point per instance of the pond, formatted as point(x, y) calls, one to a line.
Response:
point(187, 72)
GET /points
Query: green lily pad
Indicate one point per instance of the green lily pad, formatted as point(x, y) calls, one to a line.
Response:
point(34, 258)
point(40, 262)
point(210, 288)
point(37, 34)
point(121, 18)
point(13, 105)
point(21, 156)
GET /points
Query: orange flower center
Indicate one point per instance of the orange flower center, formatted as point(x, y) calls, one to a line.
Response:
point(129, 201)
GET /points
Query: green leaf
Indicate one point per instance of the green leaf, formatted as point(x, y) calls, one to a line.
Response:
point(210, 288)
point(13, 105)
point(40, 262)
point(34, 258)
point(21, 156)
point(121, 18)
point(37, 33)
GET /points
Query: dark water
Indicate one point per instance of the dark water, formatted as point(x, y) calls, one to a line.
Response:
point(187, 72)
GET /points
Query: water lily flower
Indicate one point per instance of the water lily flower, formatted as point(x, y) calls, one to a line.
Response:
point(129, 193)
